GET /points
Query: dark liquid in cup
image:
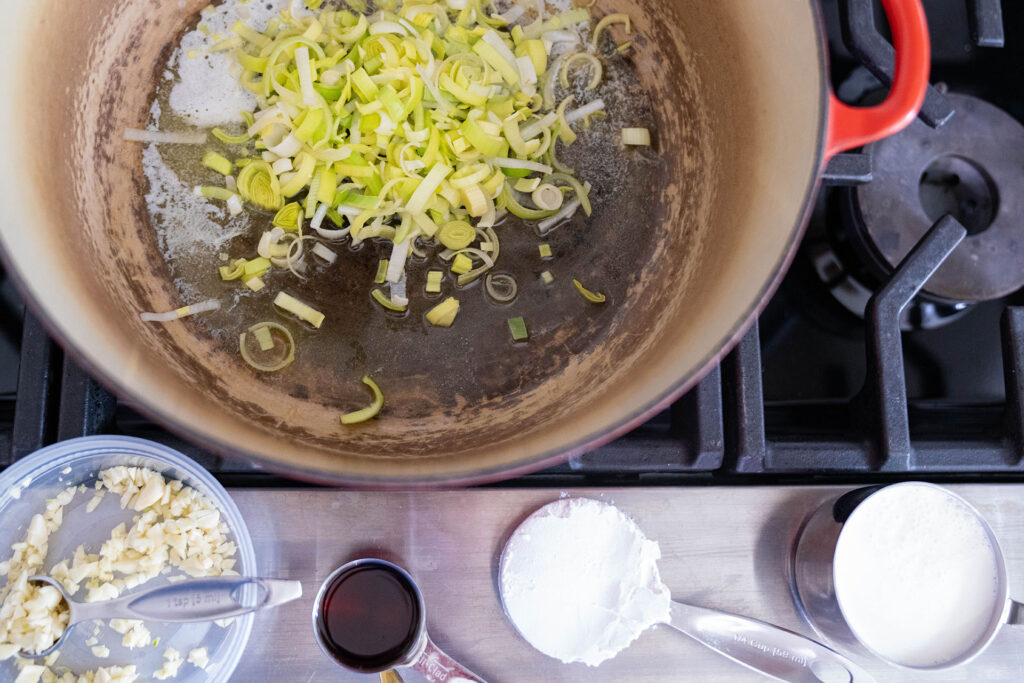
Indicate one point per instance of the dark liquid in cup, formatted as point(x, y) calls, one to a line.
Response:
point(369, 618)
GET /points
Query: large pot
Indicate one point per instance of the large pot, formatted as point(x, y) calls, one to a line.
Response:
point(745, 120)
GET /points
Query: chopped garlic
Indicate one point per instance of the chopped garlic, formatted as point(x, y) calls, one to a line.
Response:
point(32, 617)
point(30, 674)
point(177, 528)
point(135, 632)
point(199, 657)
point(172, 662)
point(94, 503)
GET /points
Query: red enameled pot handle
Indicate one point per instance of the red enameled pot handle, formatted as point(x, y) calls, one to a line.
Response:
point(850, 127)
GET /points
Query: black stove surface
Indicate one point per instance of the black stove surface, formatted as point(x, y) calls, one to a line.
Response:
point(811, 393)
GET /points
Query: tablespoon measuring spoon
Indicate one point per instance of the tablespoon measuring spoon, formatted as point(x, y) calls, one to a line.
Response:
point(203, 599)
point(539, 560)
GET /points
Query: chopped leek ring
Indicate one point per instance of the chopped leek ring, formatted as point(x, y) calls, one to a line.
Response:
point(443, 315)
point(250, 34)
point(279, 338)
point(636, 136)
point(302, 176)
point(548, 224)
point(434, 278)
point(500, 287)
point(606, 21)
point(595, 68)
point(534, 49)
point(289, 217)
point(230, 139)
point(564, 131)
point(427, 187)
point(573, 16)
point(517, 326)
point(183, 312)
point(256, 267)
point(527, 184)
point(216, 162)
point(462, 264)
point(235, 271)
point(370, 411)
point(592, 297)
point(517, 209)
point(263, 338)
point(547, 197)
point(457, 235)
point(213, 192)
point(257, 183)
point(288, 303)
point(325, 253)
point(578, 189)
point(159, 137)
point(255, 283)
point(382, 298)
point(475, 200)
point(382, 272)
point(586, 111)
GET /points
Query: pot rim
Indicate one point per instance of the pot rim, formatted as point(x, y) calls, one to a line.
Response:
point(549, 458)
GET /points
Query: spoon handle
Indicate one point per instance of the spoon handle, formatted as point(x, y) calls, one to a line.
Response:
point(767, 649)
point(203, 599)
point(437, 667)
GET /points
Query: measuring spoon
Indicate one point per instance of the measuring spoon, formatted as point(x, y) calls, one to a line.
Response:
point(204, 599)
point(770, 650)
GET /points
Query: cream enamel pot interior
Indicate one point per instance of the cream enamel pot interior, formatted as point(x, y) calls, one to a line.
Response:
point(744, 121)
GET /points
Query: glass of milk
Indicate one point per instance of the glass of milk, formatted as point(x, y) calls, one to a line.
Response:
point(909, 572)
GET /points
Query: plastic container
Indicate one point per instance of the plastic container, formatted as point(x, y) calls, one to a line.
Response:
point(26, 485)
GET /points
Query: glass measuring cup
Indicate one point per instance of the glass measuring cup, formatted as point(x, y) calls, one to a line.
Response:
point(827, 539)
point(369, 616)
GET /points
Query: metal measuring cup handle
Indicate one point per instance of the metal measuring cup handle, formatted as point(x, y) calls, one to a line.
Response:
point(438, 667)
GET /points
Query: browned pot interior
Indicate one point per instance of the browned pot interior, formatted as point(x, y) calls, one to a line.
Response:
point(685, 245)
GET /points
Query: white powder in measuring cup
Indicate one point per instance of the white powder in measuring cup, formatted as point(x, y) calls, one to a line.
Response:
point(580, 581)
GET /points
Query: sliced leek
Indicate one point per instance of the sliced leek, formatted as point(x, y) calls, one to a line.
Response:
point(434, 278)
point(422, 124)
point(183, 312)
point(276, 347)
point(443, 315)
point(383, 299)
point(369, 412)
point(607, 21)
point(640, 137)
point(287, 302)
point(517, 326)
point(457, 235)
point(592, 297)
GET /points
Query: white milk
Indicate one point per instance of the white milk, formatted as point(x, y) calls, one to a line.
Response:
point(916, 575)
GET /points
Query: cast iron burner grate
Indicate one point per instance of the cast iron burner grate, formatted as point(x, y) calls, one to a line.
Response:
point(811, 393)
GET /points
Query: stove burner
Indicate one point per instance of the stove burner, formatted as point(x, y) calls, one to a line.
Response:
point(972, 168)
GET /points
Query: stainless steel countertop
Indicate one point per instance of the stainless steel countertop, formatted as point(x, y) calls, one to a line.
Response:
point(722, 547)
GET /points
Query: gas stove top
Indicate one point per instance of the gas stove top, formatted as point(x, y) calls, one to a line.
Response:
point(824, 387)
